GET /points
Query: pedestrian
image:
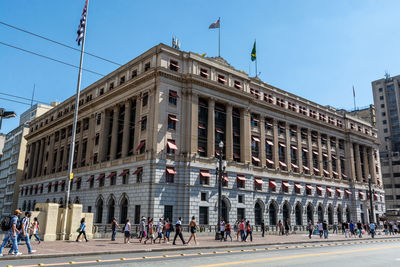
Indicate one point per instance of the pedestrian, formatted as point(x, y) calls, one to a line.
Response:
point(142, 229)
point(320, 229)
point(12, 233)
point(178, 231)
point(222, 229)
point(35, 229)
point(24, 232)
point(351, 227)
point(391, 228)
point(310, 228)
point(335, 228)
point(280, 227)
point(236, 229)
point(346, 229)
point(193, 230)
point(249, 232)
point(287, 226)
point(262, 228)
point(241, 227)
point(82, 231)
point(228, 231)
point(325, 228)
point(359, 229)
point(150, 234)
point(372, 227)
point(159, 230)
point(114, 226)
point(167, 230)
point(385, 226)
point(127, 231)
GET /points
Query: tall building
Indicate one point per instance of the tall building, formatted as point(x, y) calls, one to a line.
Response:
point(366, 113)
point(148, 139)
point(386, 98)
point(12, 161)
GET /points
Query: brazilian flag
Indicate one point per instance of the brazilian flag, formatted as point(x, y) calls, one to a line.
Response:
point(253, 52)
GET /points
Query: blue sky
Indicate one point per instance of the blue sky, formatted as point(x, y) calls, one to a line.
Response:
point(316, 49)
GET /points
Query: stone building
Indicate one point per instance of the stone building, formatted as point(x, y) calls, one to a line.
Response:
point(147, 145)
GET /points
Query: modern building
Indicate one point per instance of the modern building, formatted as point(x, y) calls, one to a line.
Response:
point(2, 139)
point(386, 98)
point(148, 141)
point(12, 161)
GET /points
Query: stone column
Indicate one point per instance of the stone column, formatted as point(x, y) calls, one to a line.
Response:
point(66, 155)
point(366, 164)
point(125, 136)
point(328, 145)
point(358, 162)
point(338, 164)
point(350, 164)
point(288, 148)
point(51, 154)
point(245, 136)
point(114, 134)
point(137, 140)
point(371, 165)
point(276, 144)
point(320, 164)
point(262, 142)
point(194, 145)
point(299, 150)
point(229, 133)
point(104, 126)
point(211, 129)
point(310, 152)
point(41, 157)
point(36, 157)
point(90, 140)
point(31, 160)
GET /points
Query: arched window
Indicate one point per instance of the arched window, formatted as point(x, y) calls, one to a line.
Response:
point(310, 212)
point(29, 206)
point(320, 213)
point(99, 211)
point(339, 214)
point(330, 215)
point(272, 214)
point(123, 210)
point(224, 210)
point(299, 217)
point(286, 212)
point(348, 217)
point(111, 209)
point(33, 204)
point(257, 214)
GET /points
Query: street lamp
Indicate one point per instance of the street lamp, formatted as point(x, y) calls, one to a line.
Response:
point(371, 191)
point(219, 181)
point(6, 115)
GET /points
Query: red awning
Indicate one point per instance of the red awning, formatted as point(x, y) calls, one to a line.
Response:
point(171, 170)
point(101, 176)
point(140, 145)
point(221, 79)
point(293, 147)
point(77, 180)
point(111, 175)
point(172, 118)
point(124, 173)
point(201, 149)
point(255, 159)
point(255, 138)
point(316, 170)
point(294, 166)
point(376, 195)
point(298, 186)
point(326, 172)
point(219, 130)
point(270, 161)
point(320, 188)
point(174, 65)
point(282, 144)
point(205, 173)
point(306, 168)
point(204, 73)
point(270, 143)
point(90, 178)
point(325, 155)
point(201, 126)
point(347, 192)
point(138, 170)
point(305, 150)
point(173, 94)
point(61, 182)
point(344, 175)
point(315, 152)
point(335, 173)
point(334, 157)
point(286, 184)
point(283, 164)
point(225, 177)
point(236, 156)
point(241, 178)
point(272, 183)
point(258, 181)
point(309, 187)
point(361, 193)
point(330, 190)
point(339, 191)
point(172, 145)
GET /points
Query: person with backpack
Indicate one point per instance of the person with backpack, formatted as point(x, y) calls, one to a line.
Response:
point(9, 224)
point(24, 232)
point(35, 230)
point(82, 230)
point(114, 226)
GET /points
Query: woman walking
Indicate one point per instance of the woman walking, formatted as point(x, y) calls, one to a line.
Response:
point(249, 232)
point(193, 230)
point(167, 230)
point(82, 231)
point(150, 234)
point(280, 227)
point(228, 231)
point(310, 228)
point(241, 227)
point(127, 231)
point(35, 230)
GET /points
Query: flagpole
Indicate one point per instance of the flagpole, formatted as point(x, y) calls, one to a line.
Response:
point(354, 98)
point(72, 144)
point(219, 37)
point(256, 57)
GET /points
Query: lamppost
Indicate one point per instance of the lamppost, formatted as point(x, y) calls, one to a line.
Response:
point(6, 115)
point(371, 191)
point(219, 181)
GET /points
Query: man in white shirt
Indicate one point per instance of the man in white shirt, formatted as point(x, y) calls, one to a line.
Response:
point(222, 229)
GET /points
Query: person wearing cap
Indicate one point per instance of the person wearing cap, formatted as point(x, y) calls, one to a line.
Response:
point(24, 232)
point(12, 234)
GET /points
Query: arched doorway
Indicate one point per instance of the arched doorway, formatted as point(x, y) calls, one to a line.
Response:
point(310, 213)
point(47, 200)
point(123, 210)
point(99, 211)
point(339, 214)
point(29, 206)
point(272, 214)
point(111, 209)
point(76, 201)
point(257, 214)
point(286, 212)
point(330, 215)
point(320, 213)
point(348, 217)
point(299, 217)
point(224, 210)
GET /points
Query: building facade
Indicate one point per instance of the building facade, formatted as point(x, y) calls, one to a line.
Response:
point(386, 98)
point(148, 141)
point(12, 161)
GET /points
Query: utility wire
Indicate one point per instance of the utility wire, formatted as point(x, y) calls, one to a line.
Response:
point(59, 43)
point(24, 98)
point(50, 58)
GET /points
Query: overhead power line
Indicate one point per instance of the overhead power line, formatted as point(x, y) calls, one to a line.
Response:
point(50, 58)
point(59, 43)
point(24, 98)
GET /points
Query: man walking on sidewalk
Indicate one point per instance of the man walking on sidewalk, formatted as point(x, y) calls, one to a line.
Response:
point(12, 234)
point(178, 231)
point(114, 226)
point(372, 227)
point(24, 232)
point(325, 228)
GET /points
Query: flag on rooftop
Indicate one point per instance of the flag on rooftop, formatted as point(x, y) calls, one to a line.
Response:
point(82, 24)
point(214, 25)
point(253, 52)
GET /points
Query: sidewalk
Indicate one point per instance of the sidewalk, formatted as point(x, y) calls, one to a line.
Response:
point(52, 249)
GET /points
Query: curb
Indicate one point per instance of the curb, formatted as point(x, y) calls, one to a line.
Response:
point(179, 248)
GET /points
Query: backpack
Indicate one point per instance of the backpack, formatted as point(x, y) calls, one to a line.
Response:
point(5, 223)
point(19, 224)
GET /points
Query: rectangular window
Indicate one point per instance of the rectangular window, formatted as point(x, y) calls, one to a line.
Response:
point(145, 99)
point(113, 178)
point(147, 66)
point(111, 86)
point(122, 80)
point(168, 212)
point(204, 73)
point(101, 91)
point(221, 79)
point(170, 174)
point(91, 181)
point(237, 85)
point(143, 124)
point(240, 199)
point(203, 196)
point(134, 74)
point(241, 181)
point(125, 177)
point(101, 179)
point(137, 214)
point(241, 214)
point(203, 215)
point(172, 122)
point(171, 146)
point(172, 97)
point(205, 177)
point(78, 183)
point(173, 65)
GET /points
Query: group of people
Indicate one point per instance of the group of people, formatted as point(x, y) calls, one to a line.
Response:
point(18, 230)
point(391, 228)
point(349, 229)
point(149, 231)
point(241, 228)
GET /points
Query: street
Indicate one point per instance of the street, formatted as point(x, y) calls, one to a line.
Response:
point(343, 253)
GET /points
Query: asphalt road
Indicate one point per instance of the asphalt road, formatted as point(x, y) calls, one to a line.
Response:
point(350, 253)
